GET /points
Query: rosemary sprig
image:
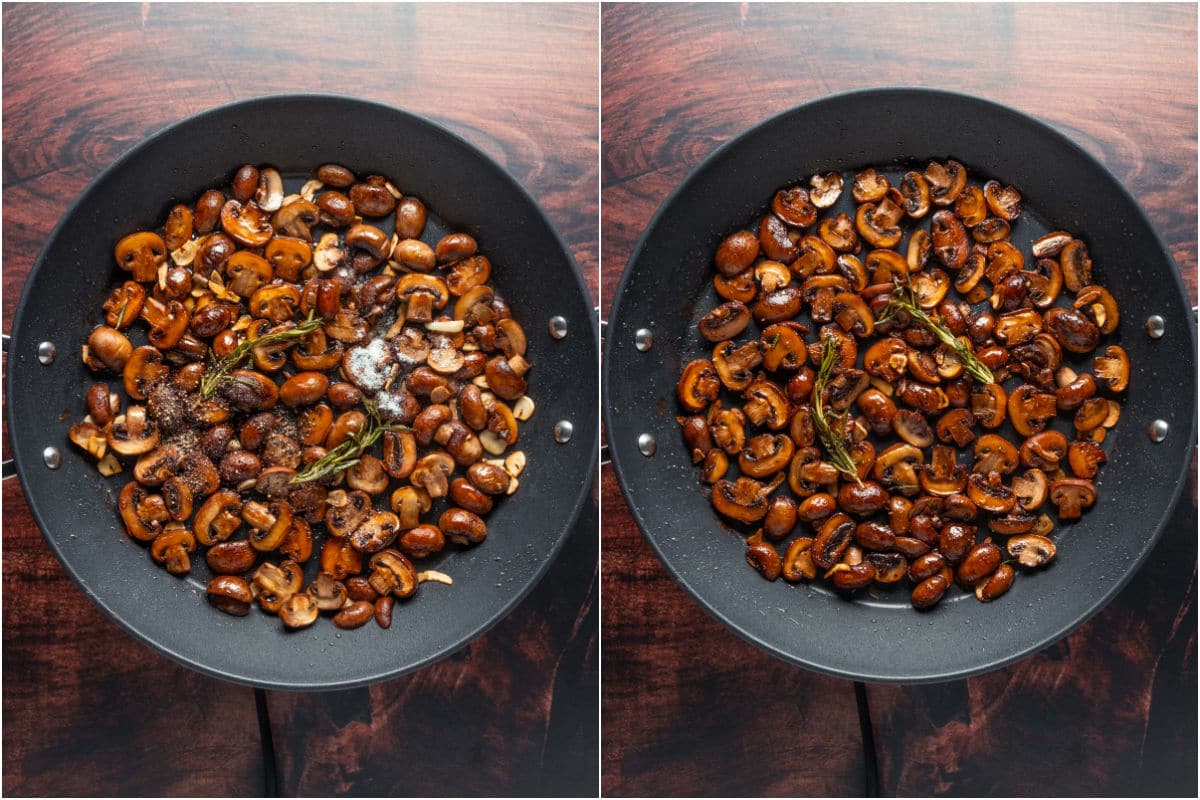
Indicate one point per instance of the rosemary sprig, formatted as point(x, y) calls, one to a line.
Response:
point(121, 314)
point(903, 299)
point(827, 423)
point(347, 453)
point(218, 369)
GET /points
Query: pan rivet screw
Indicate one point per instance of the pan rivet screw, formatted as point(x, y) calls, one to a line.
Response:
point(563, 430)
point(1156, 327)
point(558, 328)
point(643, 340)
point(647, 445)
point(46, 352)
point(52, 457)
point(1158, 430)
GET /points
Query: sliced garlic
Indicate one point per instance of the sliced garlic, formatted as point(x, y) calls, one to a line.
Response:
point(434, 576)
point(186, 254)
point(109, 466)
point(493, 443)
point(523, 407)
point(514, 464)
point(309, 190)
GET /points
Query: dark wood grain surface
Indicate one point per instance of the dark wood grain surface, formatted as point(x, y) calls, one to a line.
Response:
point(88, 710)
point(688, 707)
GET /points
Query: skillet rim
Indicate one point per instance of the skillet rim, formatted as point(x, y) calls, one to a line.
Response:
point(16, 342)
point(612, 426)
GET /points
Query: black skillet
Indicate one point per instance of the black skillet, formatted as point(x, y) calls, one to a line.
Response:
point(74, 505)
point(667, 286)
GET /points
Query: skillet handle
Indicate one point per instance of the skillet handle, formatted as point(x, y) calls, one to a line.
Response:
point(604, 459)
point(10, 466)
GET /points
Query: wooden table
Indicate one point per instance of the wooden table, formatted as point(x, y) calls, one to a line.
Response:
point(88, 710)
point(688, 707)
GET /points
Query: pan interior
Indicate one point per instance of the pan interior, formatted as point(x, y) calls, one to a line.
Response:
point(667, 287)
point(464, 190)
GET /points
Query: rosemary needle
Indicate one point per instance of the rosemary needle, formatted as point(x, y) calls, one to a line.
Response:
point(835, 442)
point(218, 369)
point(905, 301)
point(347, 453)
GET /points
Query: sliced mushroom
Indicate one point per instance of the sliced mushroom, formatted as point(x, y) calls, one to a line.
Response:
point(1031, 550)
point(794, 207)
point(132, 433)
point(869, 186)
point(1044, 450)
point(393, 574)
point(946, 182)
point(269, 192)
point(1076, 265)
point(699, 385)
point(995, 454)
point(826, 189)
point(870, 223)
point(725, 321)
point(1112, 369)
point(141, 253)
point(989, 493)
point(1029, 409)
point(949, 239)
point(248, 224)
point(1031, 489)
point(172, 547)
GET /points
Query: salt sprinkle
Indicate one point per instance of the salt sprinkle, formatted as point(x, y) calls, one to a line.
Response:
point(368, 365)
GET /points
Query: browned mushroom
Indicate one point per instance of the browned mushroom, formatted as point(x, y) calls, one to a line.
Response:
point(141, 253)
point(794, 207)
point(826, 189)
point(1071, 496)
point(1076, 265)
point(1112, 369)
point(1031, 550)
point(1029, 409)
point(736, 253)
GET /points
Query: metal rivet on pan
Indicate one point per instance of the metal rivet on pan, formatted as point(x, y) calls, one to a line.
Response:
point(52, 457)
point(563, 430)
point(647, 445)
point(1158, 430)
point(558, 327)
point(643, 340)
point(46, 352)
point(1156, 326)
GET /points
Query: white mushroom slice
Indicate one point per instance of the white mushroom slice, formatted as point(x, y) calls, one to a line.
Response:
point(513, 485)
point(328, 255)
point(523, 407)
point(393, 190)
point(481, 382)
point(270, 190)
point(445, 360)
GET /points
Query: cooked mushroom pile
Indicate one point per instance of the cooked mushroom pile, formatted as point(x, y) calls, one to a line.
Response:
point(300, 364)
point(932, 341)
